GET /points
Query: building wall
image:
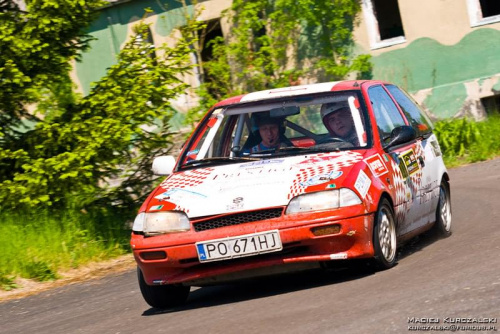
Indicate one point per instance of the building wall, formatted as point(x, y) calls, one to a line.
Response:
point(446, 62)
point(448, 58)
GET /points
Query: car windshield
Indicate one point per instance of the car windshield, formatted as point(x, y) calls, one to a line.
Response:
point(280, 127)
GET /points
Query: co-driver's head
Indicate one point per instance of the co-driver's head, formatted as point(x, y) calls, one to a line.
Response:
point(337, 119)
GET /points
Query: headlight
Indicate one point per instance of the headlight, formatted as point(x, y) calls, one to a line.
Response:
point(154, 223)
point(323, 200)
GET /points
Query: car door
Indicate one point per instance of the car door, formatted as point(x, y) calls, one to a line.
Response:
point(429, 153)
point(404, 160)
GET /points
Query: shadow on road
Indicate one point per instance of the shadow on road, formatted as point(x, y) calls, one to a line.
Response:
point(417, 244)
point(337, 272)
point(210, 296)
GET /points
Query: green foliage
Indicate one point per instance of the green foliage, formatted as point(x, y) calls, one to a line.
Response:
point(7, 282)
point(465, 141)
point(69, 158)
point(455, 135)
point(40, 271)
point(36, 44)
point(278, 43)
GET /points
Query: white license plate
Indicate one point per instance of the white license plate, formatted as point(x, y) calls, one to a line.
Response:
point(243, 245)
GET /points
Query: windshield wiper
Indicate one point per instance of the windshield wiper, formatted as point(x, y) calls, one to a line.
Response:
point(207, 161)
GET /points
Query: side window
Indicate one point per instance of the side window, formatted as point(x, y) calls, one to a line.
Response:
point(386, 113)
point(415, 116)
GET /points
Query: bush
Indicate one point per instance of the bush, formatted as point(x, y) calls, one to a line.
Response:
point(465, 141)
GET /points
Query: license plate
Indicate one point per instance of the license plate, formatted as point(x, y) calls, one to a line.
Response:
point(243, 245)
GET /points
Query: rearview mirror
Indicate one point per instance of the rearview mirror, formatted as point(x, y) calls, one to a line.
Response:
point(400, 135)
point(284, 111)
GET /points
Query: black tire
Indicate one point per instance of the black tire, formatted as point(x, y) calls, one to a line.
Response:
point(162, 296)
point(442, 227)
point(384, 236)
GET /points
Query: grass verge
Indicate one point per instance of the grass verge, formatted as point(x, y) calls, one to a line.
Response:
point(38, 245)
point(465, 141)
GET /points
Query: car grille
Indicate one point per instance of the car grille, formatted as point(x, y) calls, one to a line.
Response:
point(236, 219)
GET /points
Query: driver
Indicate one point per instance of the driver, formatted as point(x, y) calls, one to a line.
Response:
point(338, 121)
point(270, 133)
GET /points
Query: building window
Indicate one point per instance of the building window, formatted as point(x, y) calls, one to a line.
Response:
point(491, 104)
point(383, 20)
point(212, 31)
point(483, 12)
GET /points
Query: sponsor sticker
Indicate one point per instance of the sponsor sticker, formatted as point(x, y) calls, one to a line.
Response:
point(262, 163)
point(410, 161)
point(362, 184)
point(177, 194)
point(155, 207)
point(377, 165)
point(322, 178)
point(338, 256)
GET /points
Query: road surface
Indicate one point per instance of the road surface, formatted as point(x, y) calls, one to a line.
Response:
point(435, 280)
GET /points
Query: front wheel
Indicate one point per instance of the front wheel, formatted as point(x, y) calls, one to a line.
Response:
point(443, 211)
point(384, 236)
point(162, 296)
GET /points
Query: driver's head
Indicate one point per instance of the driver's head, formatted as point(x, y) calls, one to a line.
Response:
point(337, 118)
point(269, 130)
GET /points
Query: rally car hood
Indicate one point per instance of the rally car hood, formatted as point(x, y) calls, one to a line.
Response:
point(252, 185)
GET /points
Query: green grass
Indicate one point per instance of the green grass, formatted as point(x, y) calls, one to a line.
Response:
point(465, 141)
point(38, 245)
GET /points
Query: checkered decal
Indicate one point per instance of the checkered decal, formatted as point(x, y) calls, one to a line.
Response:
point(404, 186)
point(399, 190)
point(322, 163)
point(187, 179)
point(416, 179)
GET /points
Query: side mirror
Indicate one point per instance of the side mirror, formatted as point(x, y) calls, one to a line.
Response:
point(163, 165)
point(400, 135)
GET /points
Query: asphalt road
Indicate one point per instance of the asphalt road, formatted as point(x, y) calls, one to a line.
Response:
point(457, 277)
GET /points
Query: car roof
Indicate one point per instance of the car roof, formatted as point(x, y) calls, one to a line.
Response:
point(297, 91)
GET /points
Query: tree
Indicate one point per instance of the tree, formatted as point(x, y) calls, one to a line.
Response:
point(36, 44)
point(83, 144)
point(276, 43)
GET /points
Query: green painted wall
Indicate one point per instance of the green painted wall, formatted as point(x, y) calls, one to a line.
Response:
point(110, 31)
point(425, 63)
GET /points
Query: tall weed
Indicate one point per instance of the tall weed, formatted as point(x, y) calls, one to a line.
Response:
point(464, 140)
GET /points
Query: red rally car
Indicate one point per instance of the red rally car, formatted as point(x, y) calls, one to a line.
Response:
point(286, 179)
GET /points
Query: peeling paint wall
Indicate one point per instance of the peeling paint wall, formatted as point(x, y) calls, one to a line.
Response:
point(114, 26)
point(451, 75)
point(448, 61)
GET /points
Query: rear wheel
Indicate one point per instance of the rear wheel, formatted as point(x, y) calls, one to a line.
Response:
point(443, 211)
point(384, 236)
point(162, 296)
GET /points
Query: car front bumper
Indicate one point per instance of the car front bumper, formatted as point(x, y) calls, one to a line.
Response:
point(352, 238)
